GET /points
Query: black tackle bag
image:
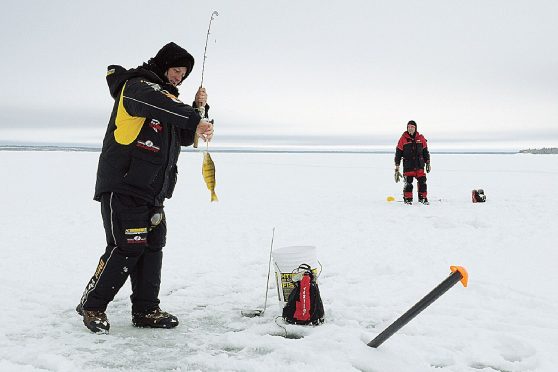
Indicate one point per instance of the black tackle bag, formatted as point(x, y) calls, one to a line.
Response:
point(478, 196)
point(304, 305)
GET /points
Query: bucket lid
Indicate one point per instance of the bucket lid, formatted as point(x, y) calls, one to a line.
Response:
point(290, 258)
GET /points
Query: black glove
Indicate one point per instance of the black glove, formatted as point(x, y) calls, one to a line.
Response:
point(428, 167)
point(397, 175)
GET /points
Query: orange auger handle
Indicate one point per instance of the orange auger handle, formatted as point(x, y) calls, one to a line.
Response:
point(464, 275)
point(458, 274)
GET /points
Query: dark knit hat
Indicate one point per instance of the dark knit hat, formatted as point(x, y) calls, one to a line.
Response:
point(171, 55)
point(412, 122)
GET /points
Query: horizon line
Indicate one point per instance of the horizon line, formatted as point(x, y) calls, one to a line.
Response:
point(67, 148)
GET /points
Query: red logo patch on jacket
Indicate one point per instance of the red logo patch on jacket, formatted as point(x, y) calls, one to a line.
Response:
point(148, 145)
point(137, 240)
point(156, 125)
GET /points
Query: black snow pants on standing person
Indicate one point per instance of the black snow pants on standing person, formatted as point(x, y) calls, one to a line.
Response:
point(421, 182)
point(136, 235)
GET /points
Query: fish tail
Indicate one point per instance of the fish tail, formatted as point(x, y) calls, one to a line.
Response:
point(214, 196)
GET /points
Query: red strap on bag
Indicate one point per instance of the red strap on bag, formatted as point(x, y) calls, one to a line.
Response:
point(302, 311)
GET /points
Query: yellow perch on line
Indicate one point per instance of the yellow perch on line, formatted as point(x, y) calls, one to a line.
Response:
point(208, 171)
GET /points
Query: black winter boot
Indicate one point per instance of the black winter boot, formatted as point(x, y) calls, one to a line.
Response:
point(154, 319)
point(424, 201)
point(408, 200)
point(95, 321)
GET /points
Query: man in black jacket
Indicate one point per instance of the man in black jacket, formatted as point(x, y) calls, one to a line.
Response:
point(412, 147)
point(137, 171)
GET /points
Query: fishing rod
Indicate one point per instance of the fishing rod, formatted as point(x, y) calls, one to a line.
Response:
point(214, 14)
point(260, 312)
point(201, 108)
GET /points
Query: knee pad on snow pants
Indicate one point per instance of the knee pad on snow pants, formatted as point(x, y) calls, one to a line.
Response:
point(127, 223)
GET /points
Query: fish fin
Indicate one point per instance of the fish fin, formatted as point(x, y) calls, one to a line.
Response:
point(214, 196)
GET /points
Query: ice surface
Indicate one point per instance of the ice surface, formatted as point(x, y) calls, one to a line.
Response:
point(378, 259)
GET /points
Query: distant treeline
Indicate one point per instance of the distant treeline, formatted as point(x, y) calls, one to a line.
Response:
point(544, 150)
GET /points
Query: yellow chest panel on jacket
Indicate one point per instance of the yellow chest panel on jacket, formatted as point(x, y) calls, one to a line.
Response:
point(127, 126)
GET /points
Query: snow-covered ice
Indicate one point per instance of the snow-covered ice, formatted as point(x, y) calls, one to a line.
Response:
point(378, 259)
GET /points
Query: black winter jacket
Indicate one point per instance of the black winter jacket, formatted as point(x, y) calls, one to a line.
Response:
point(413, 150)
point(142, 143)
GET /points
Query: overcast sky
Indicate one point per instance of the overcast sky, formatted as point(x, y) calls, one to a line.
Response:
point(463, 69)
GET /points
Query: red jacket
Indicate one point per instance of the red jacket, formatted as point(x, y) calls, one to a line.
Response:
point(413, 150)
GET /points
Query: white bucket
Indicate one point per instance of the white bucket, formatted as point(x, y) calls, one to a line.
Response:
point(288, 259)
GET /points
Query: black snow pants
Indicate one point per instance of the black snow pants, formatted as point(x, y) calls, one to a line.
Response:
point(421, 181)
point(136, 234)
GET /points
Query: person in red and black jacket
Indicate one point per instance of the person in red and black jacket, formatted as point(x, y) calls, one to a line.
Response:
point(413, 149)
point(137, 172)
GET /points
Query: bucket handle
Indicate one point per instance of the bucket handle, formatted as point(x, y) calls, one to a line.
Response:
point(317, 276)
point(307, 267)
